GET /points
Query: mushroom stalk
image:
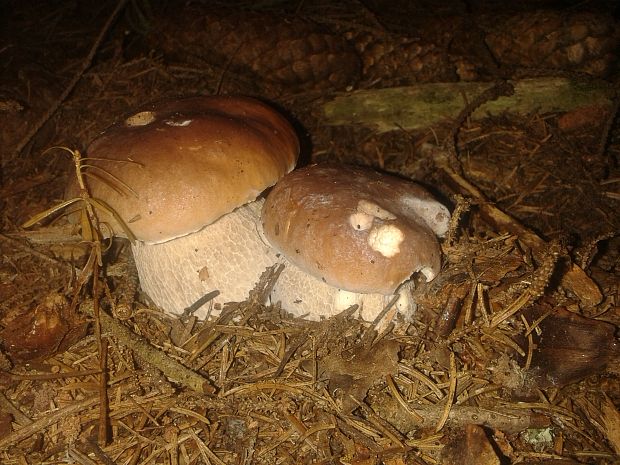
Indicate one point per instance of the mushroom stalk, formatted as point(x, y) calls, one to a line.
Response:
point(228, 256)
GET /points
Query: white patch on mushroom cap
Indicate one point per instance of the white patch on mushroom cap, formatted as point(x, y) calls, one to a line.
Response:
point(228, 255)
point(179, 123)
point(140, 119)
point(386, 240)
point(366, 213)
point(435, 215)
point(370, 208)
point(361, 221)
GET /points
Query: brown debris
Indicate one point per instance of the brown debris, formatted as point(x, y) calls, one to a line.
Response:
point(351, 372)
point(286, 52)
point(558, 40)
point(283, 390)
point(294, 54)
point(39, 333)
point(585, 116)
point(611, 423)
point(569, 347)
point(471, 447)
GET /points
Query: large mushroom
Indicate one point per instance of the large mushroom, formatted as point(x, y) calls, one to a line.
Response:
point(196, 166)
point(351, 235)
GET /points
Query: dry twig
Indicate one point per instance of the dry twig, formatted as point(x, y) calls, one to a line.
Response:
point(149, 354)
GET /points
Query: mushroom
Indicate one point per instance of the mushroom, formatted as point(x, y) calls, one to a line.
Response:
point(195, 168)
point(351, 235)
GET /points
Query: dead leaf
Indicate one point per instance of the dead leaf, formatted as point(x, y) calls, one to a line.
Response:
point(470, 447)
point(353, 372)
point(48, 329)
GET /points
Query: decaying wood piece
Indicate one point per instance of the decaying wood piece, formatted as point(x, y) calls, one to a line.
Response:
point(423, 105)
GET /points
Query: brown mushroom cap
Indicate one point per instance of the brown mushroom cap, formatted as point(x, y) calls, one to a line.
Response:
point(196, 166)
point(355, 228)
point(196, 159)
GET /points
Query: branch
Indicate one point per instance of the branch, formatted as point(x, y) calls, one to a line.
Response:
point(423, 105)
point(172, 369)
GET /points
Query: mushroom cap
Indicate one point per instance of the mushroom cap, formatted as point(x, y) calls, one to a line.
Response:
point(355, 228)
point(192, 161)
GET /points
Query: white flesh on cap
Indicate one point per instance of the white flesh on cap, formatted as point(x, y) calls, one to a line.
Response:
point(435, 215)
point(304, 295)
point(228, 255)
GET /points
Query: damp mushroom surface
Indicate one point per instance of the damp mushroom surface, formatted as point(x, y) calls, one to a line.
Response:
point(185, 175)
point(351, 235)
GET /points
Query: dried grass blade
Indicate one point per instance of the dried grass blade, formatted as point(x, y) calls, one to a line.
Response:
point(398, 396)
point(100, 204)
point(50, 211)
point(106, 178)
point(88, 231)
point(422, 378)
point(450, 396)
point(129, 161)
point(509, 311)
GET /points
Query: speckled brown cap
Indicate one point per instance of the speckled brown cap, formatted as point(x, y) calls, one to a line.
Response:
point(355, 228)
point(192, 161)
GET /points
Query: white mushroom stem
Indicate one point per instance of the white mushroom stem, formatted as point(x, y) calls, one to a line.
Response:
point(228, 255)
point(304, 295)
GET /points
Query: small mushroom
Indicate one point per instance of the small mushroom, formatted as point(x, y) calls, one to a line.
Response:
point(196, 166)
point(351, 235)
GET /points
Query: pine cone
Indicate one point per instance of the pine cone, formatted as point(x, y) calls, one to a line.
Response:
point(279, 53)
point(395, 60)
point(572, 41)
point(286, 53)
